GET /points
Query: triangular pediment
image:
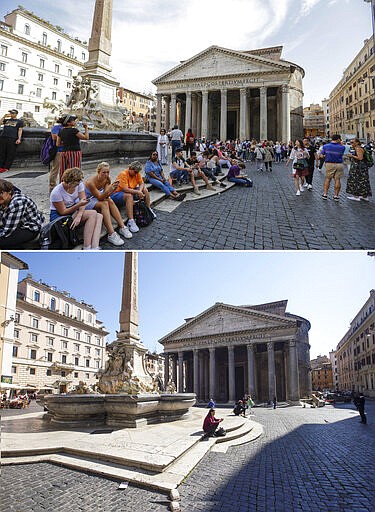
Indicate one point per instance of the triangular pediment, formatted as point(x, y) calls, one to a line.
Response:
point(224, 318)
point(216, 61)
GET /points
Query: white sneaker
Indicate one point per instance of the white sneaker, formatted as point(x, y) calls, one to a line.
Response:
point(302, 189)
point(115, 239)
point(353, 198)
point(133, 226)
point(153, 213)
point(125, 232)
point(309, 187)
point(364, 198)
point(306, 185)
point(298, 193)
point(196, 191)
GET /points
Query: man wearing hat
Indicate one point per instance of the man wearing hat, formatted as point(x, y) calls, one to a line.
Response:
point(9, 138)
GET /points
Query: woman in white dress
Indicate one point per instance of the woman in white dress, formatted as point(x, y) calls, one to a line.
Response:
point(162, 147)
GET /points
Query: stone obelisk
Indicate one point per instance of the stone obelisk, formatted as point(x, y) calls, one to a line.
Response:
point(98, 68)
point(126, 371)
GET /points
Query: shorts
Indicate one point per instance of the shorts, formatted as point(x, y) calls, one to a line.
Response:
point(334, 170)
point(118, 198)
point(92, 203)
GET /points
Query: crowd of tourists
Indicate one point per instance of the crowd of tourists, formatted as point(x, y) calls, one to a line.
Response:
point(89, 203)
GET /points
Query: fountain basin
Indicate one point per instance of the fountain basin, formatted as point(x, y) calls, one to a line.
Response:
point(121, 410)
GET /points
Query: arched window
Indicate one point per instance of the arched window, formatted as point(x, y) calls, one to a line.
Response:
point(58, 45)
point(79, 314)
point(66, 309)
point(71, 53)
point(53, 304)
point(27, 29)
point(44, 40)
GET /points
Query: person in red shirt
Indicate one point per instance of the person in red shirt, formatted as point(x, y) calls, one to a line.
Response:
point(189, 142)
point(211, 423)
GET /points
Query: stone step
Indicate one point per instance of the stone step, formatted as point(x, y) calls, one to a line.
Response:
point(255, 431)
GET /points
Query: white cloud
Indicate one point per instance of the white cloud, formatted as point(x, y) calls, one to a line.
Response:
point(307, 6)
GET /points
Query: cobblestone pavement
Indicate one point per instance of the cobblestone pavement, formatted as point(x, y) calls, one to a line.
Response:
point(268, 216)
point(307, 460)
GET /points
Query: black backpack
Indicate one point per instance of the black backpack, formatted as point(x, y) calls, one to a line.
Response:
point(58, 234)
point(142, 215)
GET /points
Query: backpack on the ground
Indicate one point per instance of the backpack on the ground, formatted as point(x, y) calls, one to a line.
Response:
point(58, 234)
point(220, 432)
point(367, 158)
point(142, 215)
point(48, 151)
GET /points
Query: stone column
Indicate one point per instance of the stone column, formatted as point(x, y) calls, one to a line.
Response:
point(263, 113)
point(251, 371)
point(180, 372)
point(231, 377)
point(271, 371)
point(202, 391)
point(204, 129)
point(293, 372)
point(167, 117)
point(129, 305)
point(199, 116)
point(212, 387)
point(173, 109)
point(196, 371)
point(166, 369)
point(223, 114)
point(194, 112)
point(158, 112)
point(243, 114)
point(285, 113)
point(188, 111)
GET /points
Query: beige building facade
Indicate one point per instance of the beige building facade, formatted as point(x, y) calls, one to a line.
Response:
point(58, 341)
point(355, 353)
point(352, 101)
point(314, 124)
point(227, 351)
point(227, 94)
point(9, 269)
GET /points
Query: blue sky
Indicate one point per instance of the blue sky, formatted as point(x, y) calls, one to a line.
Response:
point(151, 36)
point(327, 288)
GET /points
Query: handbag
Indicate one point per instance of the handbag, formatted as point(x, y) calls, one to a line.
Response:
point(300, 164)
point(142, 215)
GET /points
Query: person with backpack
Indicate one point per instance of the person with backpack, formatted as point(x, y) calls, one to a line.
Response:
point(55, 162)
point(68, 198)
point(131, 188)
point(259, 156)
point(69, 138)
point(20, 219)
point(211, 423)
point(358, 185)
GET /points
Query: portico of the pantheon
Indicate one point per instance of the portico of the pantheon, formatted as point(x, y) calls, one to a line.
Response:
point(228, 351)
point(228, 94)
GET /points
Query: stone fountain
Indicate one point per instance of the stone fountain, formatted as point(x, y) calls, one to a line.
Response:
point(129, 396)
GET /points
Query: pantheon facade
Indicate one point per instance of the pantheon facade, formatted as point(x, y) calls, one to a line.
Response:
point(228, 94)
point(227, 351)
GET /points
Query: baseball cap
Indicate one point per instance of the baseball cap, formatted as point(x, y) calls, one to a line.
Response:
point(13, 111)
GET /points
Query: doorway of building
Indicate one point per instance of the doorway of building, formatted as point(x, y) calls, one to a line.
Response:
point(232, 124)
point(239, 376)
point(62, 388)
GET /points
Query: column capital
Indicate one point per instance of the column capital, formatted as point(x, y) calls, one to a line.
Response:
point(223, 92)
point(243, 91)
point(270, 346)
point(195, 350)
point(285, 88)
point(167, 98)
point(230, 348)
point(250, 347)
point(292, 343)
point(204, 92)
point(180, 353)
point(188, 93)
point(212, 350)
point(263, 90)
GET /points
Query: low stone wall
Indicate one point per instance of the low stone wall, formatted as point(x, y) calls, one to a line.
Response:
point(112, 147)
